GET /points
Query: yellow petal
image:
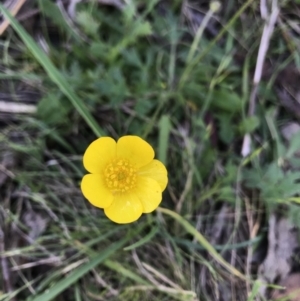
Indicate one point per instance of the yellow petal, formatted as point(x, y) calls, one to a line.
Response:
point(98, 154)
point(135, 149)
point(149, 193)
point(94, 189)
point(157, 171)
point(126, 208)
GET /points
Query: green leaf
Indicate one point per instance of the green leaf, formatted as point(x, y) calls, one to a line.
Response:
point(99, 50)
point(143, 106)
point(142, 28)
point(129, 11)
point(227, 194)
point(132, 57)
point(226, 100)
point(274, 184)
point(226, 131)
point(88, 23)
point(52, 110)
point(249, 124)
point(273, 174)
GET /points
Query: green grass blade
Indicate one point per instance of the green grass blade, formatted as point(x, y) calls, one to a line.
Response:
point(143, 241)
point(255, 290)
point(196, 60)
point(125, 272)
point(60, 286)
point(164, 132)
point(192, 245)
point(53, 72)
point(202, 240)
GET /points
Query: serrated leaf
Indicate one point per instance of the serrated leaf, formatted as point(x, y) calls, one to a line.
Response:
point(132, 57)
point(142, 28)
point(249, 124)
point(88, 23)
point(273, 174)
point(52, 110)
point(99, 50)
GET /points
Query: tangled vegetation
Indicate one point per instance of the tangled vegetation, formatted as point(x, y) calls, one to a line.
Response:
point(212, 86)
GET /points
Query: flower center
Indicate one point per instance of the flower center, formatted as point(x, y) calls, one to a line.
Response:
point(120, 176)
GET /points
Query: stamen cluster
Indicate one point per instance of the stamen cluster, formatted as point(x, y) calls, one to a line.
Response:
point(120, 176)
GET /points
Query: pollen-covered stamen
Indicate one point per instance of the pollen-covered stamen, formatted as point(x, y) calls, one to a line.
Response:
point(120, 176)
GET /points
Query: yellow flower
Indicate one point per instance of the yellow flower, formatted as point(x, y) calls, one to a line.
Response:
point(125, 179)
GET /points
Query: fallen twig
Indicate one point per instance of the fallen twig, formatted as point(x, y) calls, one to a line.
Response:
point(19, 108)
point(270, 21)
point(14, 10)
point(4, 266)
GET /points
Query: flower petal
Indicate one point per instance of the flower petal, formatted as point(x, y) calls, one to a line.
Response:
point(98, 154)
point(157, 171)
point(94, 189)
point(126, 208)
point(149, 193)
point(135, 149)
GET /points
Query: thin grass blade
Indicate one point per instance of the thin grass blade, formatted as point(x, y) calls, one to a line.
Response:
point(164, 132)
point(63, 284)
point(202, 240)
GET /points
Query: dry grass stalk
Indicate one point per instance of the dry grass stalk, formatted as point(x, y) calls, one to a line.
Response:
point(16, 6)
